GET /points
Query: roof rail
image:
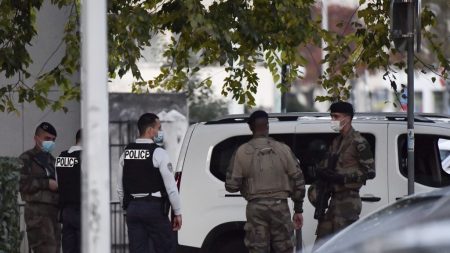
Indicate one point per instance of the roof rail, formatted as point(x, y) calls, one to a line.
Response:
point(294, 116)
point(289, 116)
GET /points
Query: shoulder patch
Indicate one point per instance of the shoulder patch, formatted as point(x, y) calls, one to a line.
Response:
point(361, 147)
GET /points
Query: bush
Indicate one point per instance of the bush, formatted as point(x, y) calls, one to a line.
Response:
point(10, 235)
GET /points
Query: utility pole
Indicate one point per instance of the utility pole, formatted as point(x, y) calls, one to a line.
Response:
point(405, 27)
point(324, 27)
point(410, 63)
point(96, 233)
point(285, 85)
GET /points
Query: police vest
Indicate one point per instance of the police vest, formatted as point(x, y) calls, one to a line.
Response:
point(68, 170)
point(139, 173)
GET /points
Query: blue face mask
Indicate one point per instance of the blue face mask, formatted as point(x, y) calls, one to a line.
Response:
point(159, 138)
point(48, 146)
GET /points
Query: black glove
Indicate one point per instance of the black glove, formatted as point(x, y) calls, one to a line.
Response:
point(331, 176)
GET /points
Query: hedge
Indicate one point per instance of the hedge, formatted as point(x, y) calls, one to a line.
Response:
point(10, 235)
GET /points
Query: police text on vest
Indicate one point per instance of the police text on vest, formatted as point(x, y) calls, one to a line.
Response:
point(66, 161)
point(139, 154)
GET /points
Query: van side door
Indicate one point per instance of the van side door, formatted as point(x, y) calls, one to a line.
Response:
point(429, 155)
point(313, 139)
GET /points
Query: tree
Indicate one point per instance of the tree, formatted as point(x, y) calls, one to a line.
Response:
point(235, 34)
point(370, 47)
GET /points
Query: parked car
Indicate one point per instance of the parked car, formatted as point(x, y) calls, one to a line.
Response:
point(419, 223)
point(213, 217)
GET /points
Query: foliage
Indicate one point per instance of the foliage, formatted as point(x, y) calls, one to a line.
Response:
point(371, 47)
point(293, 105)
point(17, 30)
point(235, 34)
point(10, 235)
point(199, 112)
point(202, 105)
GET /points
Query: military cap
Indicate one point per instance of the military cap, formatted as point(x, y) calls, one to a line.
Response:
point(342, 107)
point(47, 127)
point(257, 115)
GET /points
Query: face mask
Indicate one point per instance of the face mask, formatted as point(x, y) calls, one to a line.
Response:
point(159, 138)
point(336, 125)
point(47, 146)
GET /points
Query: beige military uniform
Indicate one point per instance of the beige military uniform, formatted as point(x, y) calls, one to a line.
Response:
point(269, 222)
point(41, 204)
point(355, 161)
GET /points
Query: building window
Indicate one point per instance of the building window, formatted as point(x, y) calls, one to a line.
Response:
point(438, 101)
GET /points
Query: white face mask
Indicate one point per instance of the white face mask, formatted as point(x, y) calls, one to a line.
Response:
point(159, 139)
point(336, 125)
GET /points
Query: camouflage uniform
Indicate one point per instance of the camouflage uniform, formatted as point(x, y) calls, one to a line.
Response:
point(41, 204)
point(356, 164)
point(269, 224)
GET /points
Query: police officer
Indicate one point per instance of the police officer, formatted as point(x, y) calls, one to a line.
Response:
point(145, 182)
point(266, 172)
point(38, 188)
point(349, 164)
point(68, 174)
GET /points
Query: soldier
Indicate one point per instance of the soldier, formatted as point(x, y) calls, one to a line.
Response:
point(38, 188)
point(266, 172)
point(349, 164)
point(145, 182)
point(68, 174)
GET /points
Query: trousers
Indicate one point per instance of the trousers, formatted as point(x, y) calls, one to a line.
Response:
point(269, 227)
point(149, 230)
point(71, 220)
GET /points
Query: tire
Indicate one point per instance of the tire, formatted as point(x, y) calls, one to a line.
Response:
point(231, 244)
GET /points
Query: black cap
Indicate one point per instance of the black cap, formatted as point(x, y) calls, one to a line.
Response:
point(256, 115)
point(342, 107)
point(47, 127)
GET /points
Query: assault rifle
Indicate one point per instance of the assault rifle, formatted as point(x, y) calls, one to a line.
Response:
point(42, 160)
point(324, 190)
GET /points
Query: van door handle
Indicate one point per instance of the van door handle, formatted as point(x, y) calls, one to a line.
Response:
point(233, 195)
point(370, 198)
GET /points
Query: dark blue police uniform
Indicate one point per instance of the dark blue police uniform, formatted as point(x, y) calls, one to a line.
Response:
point(68, 171)
point(145, 200)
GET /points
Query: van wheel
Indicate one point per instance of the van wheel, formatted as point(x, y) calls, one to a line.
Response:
point(231, 244)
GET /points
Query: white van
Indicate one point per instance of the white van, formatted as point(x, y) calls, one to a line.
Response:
point(213, 219)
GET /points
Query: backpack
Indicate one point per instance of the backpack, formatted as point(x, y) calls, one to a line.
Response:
point(267, 172)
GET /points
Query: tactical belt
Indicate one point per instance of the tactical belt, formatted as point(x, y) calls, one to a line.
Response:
point(268, 200)
point(147, 198)
point(345, 191)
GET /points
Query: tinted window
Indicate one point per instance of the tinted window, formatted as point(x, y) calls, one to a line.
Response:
point(308, 148)
point(222, 152)
point(312, 148)
point(427, 160)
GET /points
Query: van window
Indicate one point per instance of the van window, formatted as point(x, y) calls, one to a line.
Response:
point(310, 149)
point(429, 152)
point(222, 152)
point(444, 152)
